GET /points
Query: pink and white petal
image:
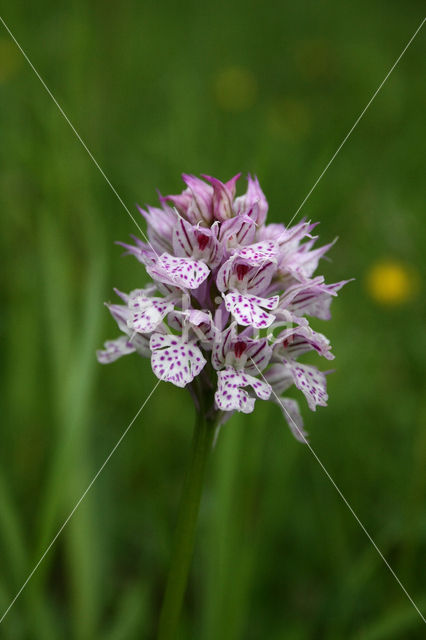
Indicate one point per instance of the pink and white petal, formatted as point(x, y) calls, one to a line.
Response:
point(120, 313)
point(266, 303)
point(169, 290)
point(291, 237)
point(260, 277)
point(141, 344)
point(181, 201)
point(160, 226)
point(224, 275)
point(231, 184)
point(124, 296)
point(147, 291)
point(175, 360)
point(310, 381)
point(256, 254)
point(279, 377)
point(142, 251)
point(291, 412)
point(195, 202)
point(147, 313)
point(215, 252)
point(253, 198)
point(202, 327)
point(181, 272)
point(246, 312)
point(229, 396)
point(301, 290)
point(199, 322)
point(222, 346)
point(258, 354)
point(222, 198)
point(176, 320)
point(307, 261)
point(202, 196)
point(189, 273)
point(237, 231)
point(317, 303)
point(261, 388)
point(207, 246)
point(196, 242)
point(114, 349)
point(183, 238)
point(296, 341)
point(272, 231)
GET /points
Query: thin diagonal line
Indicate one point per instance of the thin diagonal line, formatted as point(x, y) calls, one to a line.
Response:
point(340, 492)
point(114, 189)
point(92, 157)
point(143, 234)
point(358, 119)
point(95, 477)
point(173, 276)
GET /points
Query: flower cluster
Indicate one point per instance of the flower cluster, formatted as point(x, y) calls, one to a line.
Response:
point(225, 312)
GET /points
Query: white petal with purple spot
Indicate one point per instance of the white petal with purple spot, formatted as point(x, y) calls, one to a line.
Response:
point(231, 397)
point(248, 311)
point(310, 381)
point(175, 360)
point(180, 272)
point(256, 254)
point(147, 313)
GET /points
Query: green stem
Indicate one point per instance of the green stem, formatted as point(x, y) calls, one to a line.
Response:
point(185, 530)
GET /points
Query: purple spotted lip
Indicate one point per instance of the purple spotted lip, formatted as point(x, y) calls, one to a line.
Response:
point(226, 311)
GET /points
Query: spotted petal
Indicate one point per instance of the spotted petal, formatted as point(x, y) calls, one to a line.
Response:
point(310, 381)
point(199, 322)
point(147, 313)
point(175, 360)
point(180, 272)
point(231, 397)
point(114, 349)
point(203, 327)
point(256, 254)
point(248, 311)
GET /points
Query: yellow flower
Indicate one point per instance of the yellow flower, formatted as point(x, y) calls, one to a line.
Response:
point(235, 89)
point(391, 282)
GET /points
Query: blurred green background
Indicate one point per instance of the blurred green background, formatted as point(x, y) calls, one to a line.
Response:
point(157, 89)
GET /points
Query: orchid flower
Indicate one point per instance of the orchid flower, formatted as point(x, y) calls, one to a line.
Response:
point(220, 276)
point(226, 315)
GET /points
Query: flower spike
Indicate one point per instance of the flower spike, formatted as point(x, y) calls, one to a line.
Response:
point(226, 313)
